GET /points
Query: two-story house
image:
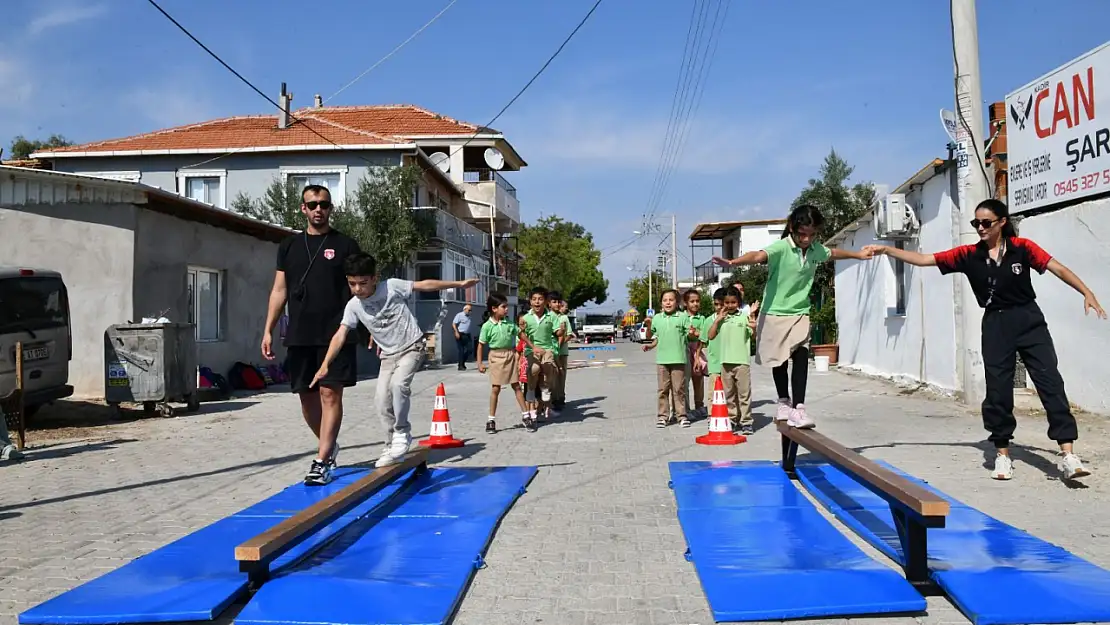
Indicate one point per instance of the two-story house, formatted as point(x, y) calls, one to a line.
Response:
point(476, 208)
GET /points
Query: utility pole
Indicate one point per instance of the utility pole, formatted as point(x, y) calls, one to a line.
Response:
point(674, 253)
point(972, 184)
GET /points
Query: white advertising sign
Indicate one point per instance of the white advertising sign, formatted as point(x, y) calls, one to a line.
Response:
point(1058, 134)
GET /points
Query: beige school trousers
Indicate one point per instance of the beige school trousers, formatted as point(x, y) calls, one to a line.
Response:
point(737, 380)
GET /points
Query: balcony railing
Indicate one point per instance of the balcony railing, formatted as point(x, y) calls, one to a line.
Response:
point(707, 273)
point(455, 231)
point(489, 175)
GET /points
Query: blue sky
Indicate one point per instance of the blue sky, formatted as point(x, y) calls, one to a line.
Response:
point(790, 79)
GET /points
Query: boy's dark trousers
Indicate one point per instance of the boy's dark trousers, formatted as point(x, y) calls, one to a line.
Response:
point(1007, 333)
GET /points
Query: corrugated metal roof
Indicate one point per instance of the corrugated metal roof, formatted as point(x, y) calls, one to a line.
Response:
point(20, 186)
point(714, 230)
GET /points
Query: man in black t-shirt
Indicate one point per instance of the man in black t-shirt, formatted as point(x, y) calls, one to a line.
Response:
point(310, 277)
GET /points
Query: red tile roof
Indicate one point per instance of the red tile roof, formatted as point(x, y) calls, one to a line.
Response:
point(349, 125)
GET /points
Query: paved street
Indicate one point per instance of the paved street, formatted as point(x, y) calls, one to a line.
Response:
point(595, 539)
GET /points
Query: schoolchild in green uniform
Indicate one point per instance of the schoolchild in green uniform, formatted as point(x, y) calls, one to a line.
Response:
point(782, 335)
point(667, 332)
point(733, 328)
point(696, 364)
point(499, 335)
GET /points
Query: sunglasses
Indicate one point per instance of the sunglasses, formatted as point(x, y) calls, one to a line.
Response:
point(984, 223)
point(313, 205)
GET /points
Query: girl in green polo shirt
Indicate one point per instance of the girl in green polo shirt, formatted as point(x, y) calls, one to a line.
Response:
point(783, 328)
point(668, 331)
point(499, 335)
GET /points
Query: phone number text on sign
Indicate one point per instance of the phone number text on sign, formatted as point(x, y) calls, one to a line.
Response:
point(1058, 143)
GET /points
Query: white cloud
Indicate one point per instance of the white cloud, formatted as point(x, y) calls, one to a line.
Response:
point(64, 16)
point(168, 104)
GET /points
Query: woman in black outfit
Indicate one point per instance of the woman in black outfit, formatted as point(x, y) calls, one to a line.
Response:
point(998, 270)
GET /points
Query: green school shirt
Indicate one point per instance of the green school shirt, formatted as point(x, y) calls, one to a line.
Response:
point(736, 339)
point(791, 278)
point(670, 331)
point(541, 331)
point(713, 349)
point(499, 334)
point(564, 323)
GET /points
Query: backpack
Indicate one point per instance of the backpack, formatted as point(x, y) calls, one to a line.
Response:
point(245, 377)
point(209, 379)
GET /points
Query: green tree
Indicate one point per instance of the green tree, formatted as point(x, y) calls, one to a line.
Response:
point(638, 291)
point(281, 204)
point(379, 216)
point(23, 147)
point(560, 255)
point(840, 204)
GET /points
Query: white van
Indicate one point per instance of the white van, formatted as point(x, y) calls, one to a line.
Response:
point(34, 311)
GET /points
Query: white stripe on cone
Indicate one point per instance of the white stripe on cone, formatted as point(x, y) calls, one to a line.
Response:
point(719, 424)
point(441, 428)
point(719, 398)
point(441, 402)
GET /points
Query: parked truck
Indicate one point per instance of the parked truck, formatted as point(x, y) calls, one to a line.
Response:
point(597, 328)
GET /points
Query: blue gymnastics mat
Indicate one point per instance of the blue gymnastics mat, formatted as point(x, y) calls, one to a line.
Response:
point(407, 563)
point(995, 573)
point(196, 577)
point(763, 552)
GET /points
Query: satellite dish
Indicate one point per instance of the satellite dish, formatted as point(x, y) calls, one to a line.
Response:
point(494, 158)
point(441, 161)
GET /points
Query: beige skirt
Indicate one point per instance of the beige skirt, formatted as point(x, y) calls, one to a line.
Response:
point(778, 336)
point(504, 367)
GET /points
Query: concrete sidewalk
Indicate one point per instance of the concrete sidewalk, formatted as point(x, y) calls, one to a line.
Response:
point(595, 540)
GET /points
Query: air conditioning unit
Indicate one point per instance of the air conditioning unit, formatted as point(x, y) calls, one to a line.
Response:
point(893, 218)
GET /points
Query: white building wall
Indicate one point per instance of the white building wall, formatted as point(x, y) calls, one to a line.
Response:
point(919, 345)
point(1077, 237)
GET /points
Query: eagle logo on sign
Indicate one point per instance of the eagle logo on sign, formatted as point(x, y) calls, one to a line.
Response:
point(1016, 268)
point(329, 254)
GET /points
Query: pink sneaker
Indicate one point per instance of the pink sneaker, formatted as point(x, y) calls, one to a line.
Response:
point(784, 411)
point(799, 419)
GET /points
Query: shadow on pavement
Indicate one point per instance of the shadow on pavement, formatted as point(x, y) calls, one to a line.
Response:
point(1022, 454)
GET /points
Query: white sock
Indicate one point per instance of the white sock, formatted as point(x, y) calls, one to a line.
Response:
point(490, 418)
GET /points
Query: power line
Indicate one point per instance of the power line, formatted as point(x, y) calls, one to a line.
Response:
point(535, 76)
point(693, 37)
point(392, 52)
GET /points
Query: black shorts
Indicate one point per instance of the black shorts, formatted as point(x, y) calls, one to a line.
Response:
point(302, 362)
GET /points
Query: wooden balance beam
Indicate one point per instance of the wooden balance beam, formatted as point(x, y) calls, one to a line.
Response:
point(255, 555)
point(914, 507)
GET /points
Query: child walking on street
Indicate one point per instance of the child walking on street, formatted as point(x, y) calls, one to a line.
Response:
point(542, 331)
point(559, 393)
point(733, 328)
point(696, 364)
point(499, 336)
point(384, 308)
point(668, 332)
point(783, 329)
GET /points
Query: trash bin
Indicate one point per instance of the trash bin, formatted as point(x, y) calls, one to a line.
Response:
point(152, 364)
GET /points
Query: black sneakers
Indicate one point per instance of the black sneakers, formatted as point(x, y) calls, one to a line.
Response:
point(319, 474)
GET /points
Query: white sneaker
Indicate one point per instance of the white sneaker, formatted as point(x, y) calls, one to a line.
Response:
point(9, 452)
point(799, 419)
point(1003, 468)
point(395, 453)
point(1072, 467)
point(784, 410)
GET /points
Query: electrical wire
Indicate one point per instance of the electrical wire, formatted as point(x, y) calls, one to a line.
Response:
point(487, 125)
point(392, 52)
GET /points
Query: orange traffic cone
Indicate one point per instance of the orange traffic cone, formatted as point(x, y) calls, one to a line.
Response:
point(720, 428)
point(441, 425)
